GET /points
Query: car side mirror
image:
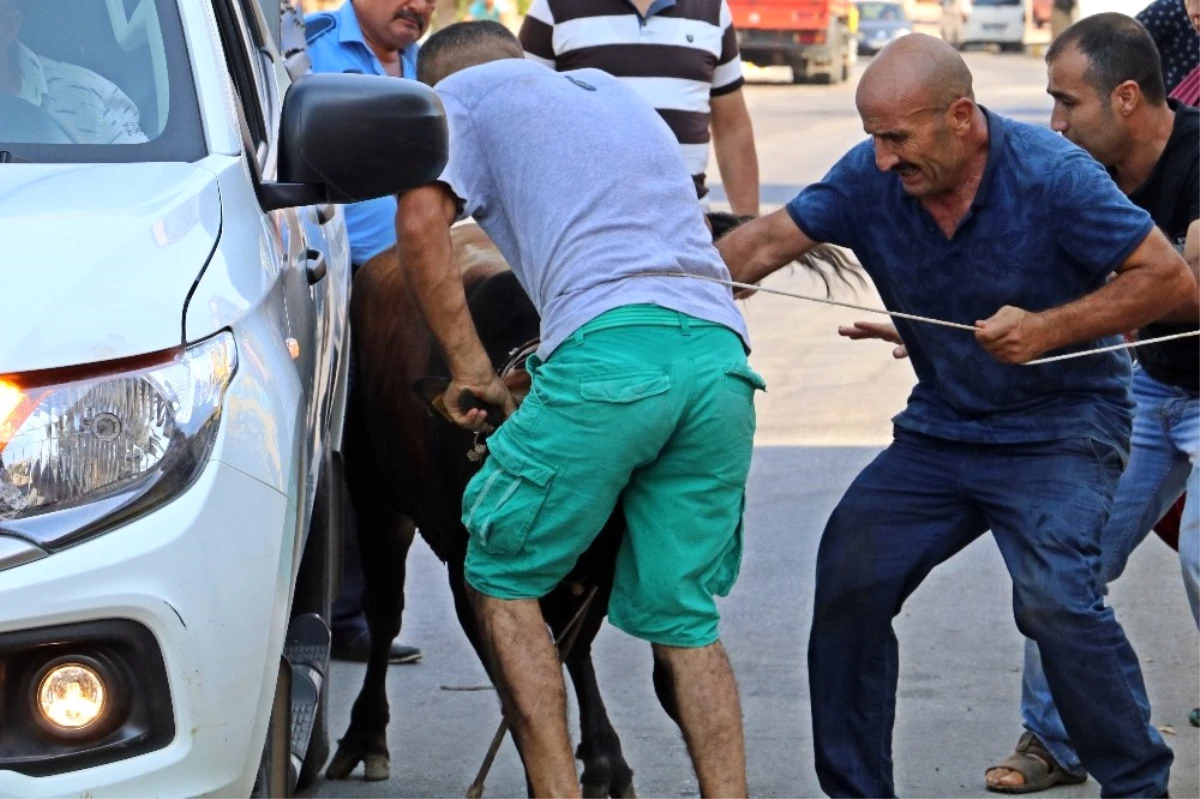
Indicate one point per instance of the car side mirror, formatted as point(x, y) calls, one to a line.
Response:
point(346, 138)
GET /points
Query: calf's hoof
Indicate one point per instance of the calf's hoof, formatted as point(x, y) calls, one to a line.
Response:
point(376, 767)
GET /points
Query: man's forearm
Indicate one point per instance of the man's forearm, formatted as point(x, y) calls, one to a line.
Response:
point(738, 163)
point(733, 145)
point(1133, 299)
point(758, 248)
point(426, 255)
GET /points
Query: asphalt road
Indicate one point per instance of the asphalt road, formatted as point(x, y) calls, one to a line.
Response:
point(825, 416)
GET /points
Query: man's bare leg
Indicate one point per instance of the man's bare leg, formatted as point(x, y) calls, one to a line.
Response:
point(529, 677)
point(710, 716)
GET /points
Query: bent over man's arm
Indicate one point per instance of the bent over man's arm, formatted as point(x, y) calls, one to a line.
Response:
point(423, 221)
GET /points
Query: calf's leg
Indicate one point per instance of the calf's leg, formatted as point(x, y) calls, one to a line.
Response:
point(384, 540)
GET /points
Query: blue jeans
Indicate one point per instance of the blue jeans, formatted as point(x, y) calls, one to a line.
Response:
point(917, 504)
point(1162, 464)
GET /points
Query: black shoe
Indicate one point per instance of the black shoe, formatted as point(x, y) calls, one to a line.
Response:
point(358, 648)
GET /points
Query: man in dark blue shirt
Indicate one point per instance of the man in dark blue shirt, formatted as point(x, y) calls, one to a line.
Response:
point(968, 217)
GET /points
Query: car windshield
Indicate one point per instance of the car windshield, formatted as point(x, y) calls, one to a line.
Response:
point(95, 81)
point(881, 12)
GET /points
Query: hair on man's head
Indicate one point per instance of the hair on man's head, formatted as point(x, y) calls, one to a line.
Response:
point(1118, 49)
point(462, 45)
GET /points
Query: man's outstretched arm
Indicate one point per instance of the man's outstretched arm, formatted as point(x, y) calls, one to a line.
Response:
point(758, 248)
point(423, 221)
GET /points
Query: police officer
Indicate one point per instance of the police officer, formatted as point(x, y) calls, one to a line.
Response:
point(370, 37)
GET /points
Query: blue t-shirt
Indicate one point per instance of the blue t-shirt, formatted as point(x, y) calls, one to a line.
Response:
point(1047, 226)
point(336, 44)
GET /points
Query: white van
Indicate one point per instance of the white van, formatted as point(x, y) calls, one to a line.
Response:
point(173, 361)
point(1006, 23)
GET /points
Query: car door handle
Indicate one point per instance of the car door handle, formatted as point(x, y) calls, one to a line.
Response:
point(315, 266)
point(325, 212)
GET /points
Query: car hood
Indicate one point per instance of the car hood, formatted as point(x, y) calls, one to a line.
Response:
point(99, 259)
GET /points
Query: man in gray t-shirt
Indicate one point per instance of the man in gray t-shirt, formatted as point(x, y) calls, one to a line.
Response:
point(572, 176)
point(641, 393)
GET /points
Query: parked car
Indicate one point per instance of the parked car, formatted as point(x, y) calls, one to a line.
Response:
point(1005, 23)
point(173, 361)
point(880, 22)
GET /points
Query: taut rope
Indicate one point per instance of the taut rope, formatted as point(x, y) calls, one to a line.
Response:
point(926, 319)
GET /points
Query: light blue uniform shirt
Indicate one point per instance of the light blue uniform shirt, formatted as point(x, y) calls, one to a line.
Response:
point(336, 44)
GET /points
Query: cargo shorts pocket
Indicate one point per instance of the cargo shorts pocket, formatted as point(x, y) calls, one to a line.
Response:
point(744, 380)
point(624, 388)
point(726, 574)
point(503, 500)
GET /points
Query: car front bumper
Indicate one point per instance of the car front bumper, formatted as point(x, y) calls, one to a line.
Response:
point(208, 576)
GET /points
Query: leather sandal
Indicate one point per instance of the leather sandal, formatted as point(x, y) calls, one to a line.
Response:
point(1034, 762)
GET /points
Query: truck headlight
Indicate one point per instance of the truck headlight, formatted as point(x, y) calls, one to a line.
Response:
point(82, 453)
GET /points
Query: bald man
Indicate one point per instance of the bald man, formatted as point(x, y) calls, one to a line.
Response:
point(962, 215)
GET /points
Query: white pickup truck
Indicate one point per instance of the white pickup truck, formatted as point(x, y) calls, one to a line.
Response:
point(173, 362)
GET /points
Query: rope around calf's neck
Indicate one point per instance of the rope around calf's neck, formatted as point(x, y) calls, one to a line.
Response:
point(915, 318)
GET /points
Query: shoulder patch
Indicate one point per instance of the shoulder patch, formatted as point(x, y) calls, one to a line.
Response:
point(318, 25)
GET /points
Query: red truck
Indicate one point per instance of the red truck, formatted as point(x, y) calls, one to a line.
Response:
point(813, 37)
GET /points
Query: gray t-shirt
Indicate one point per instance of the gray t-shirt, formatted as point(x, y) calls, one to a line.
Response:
point(581, 185)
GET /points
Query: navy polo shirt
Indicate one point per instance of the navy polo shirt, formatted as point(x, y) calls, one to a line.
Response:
point(336, 44)
point(1047, 226)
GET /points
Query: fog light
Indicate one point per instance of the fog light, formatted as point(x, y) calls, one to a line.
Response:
point(71, 697)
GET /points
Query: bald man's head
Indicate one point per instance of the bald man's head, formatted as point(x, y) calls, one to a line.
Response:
point(916, 102)
point(915, 70)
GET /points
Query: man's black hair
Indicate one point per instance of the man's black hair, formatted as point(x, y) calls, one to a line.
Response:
point(1118, 48)
point(455, 41)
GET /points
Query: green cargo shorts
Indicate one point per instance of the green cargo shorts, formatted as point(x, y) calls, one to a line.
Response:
point(643, 406)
